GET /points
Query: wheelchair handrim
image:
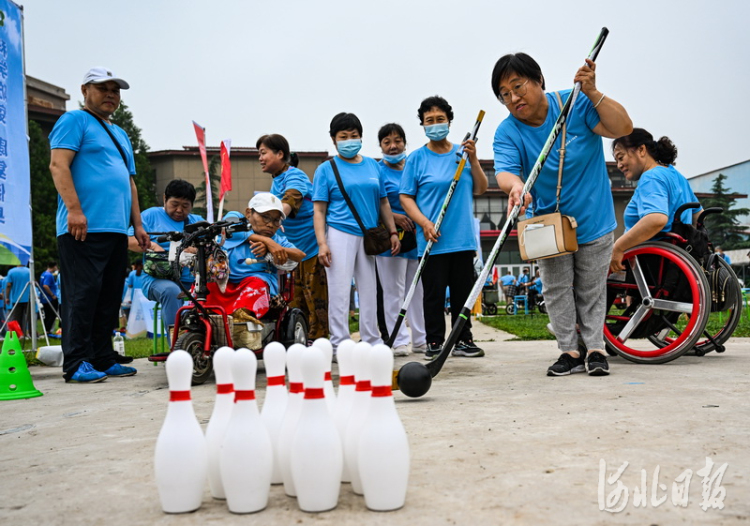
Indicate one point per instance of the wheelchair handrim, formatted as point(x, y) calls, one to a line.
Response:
point(687, 270)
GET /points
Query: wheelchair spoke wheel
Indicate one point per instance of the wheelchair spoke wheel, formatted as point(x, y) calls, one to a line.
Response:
point(669, 304)
point(713, 337)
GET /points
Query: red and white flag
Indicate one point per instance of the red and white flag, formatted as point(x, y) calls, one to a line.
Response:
point(226, 168)
point(200, 133)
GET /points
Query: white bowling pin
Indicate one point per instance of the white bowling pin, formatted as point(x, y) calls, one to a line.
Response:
point(358, 413)
point(289, 425)
point(324, 344)
point(181, 456)
point(246, 457)
point(345, 396)
point(383, 446)
point(274, 404)
point(316, 458)
point(220, 416)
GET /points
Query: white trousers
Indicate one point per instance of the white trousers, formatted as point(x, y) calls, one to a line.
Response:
point(348, 259)
point(396, 275)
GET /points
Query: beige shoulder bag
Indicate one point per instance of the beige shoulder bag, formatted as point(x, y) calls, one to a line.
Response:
point(549, 235)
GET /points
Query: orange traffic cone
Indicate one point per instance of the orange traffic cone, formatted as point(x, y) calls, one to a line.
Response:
point(15, 378)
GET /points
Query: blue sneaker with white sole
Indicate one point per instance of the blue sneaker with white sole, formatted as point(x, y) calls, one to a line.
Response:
point(86, 374)
point(120, 370)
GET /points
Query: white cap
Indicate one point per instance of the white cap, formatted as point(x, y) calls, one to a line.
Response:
point(265, 201)
point(99, 75)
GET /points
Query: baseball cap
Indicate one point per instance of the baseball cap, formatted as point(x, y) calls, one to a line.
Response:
point(99, 75)
point(265, 201)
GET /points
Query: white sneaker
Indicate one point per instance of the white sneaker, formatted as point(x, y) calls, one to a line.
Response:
point(419, 348)
point(401, 350)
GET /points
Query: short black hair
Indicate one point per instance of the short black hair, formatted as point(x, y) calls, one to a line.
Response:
point(51, 264)
point(276, 143)
point(435, 102)
point(345, 122)
point(180, 189)
point(518, 63)
point(390, 128)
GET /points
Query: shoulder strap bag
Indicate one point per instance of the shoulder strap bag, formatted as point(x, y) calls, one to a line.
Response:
point(377, 240)
point(549, 235)
point(111, 136)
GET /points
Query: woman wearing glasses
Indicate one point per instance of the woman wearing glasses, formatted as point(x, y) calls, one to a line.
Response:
point(340, 238)
point(293, 187)
point(660, 192)
point(573, 285)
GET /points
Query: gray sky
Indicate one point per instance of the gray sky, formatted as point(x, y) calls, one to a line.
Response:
point(245, 68)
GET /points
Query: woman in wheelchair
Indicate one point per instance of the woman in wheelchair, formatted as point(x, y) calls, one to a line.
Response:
point(253, 279)
point(672, 281)
point(660, 192)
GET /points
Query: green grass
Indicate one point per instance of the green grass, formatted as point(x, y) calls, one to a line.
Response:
point(522, 326)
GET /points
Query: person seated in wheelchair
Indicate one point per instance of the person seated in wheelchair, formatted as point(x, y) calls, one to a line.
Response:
point(660, 192)
point(253, 279)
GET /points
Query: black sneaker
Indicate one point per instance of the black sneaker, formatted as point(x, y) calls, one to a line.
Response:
point(467, 349)
point(596, 364)
point(566, 365)
point(122, 359)
point(433, 349)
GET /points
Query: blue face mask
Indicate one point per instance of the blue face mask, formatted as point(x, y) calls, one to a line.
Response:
point(349, 149)
point(437, 132)
point(394, 159)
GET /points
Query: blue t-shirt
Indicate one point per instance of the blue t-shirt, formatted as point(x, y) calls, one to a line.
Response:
point(17, 277)
point(661, 190)
point(537, 285)
point(364, 187)
point(524, 278)
point(507, 280)
point(392, 182)
point(100, 177)
point(132, 282)
point(47, 278)
point(427, 177)
point(586, 193)
point(156, 219)
point(298, 229)
point(238, 250)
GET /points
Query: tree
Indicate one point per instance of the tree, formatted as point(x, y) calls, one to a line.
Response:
point(145, 180)
point(214, 170)
point(43, 198)
point(724, 229)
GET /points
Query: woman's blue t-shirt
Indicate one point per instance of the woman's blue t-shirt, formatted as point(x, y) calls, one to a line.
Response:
point(364, 187)
point(661, 190)
point(392, 181)
point(298, 229)
point(427, 177)
point(586, 193)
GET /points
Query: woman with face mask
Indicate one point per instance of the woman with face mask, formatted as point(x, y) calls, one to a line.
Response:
point(396, 273)
point(660, 192)
point(340, 239)
point(427, 176)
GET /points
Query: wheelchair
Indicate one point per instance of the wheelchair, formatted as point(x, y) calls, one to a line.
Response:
point(668, 292)
point(201, 329)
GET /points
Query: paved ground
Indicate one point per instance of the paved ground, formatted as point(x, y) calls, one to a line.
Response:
point(494, 442)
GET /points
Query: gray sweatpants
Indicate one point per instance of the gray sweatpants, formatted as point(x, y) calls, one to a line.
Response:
point(575, 290)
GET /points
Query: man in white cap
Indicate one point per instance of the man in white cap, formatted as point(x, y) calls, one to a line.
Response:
point(92, 165)
point(253, 280)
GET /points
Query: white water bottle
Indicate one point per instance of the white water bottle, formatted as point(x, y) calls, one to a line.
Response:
point(119, 344)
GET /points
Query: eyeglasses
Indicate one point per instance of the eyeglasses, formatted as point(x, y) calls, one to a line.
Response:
point(269, 220)
point(519, 90)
